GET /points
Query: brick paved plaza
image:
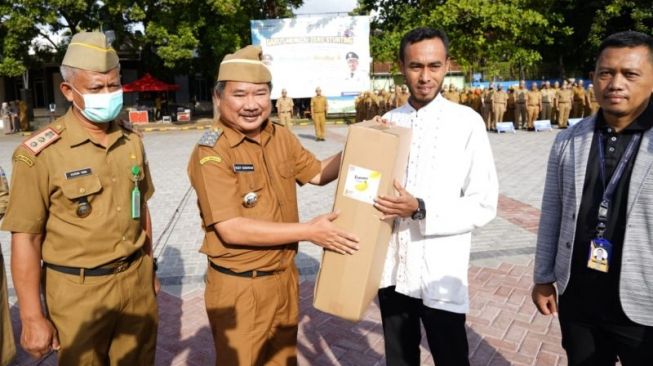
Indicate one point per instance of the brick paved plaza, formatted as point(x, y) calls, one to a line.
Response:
point(503, 326)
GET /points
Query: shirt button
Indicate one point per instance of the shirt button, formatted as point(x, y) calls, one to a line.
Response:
point(124, 238)
point(609, 130)
point(613, 138)
point(611, 149)
point(568, 245)
point(82, 190)
point(113, 179)
point(118, 208)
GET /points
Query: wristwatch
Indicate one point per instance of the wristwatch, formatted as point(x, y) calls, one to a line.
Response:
point(420, 213)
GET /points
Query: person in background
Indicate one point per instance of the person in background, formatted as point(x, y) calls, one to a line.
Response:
point(319, 108)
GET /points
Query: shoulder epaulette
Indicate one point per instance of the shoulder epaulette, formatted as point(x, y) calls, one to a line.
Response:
point(209, 138)
point(40, 140)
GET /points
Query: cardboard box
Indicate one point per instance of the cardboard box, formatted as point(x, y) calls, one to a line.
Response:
point(374, 156)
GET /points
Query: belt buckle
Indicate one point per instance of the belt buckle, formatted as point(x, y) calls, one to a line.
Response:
point(121, 267)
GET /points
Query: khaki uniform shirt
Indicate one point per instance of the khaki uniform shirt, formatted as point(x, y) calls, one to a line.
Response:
point(222, 173)
point(579, 94)
point(591, 96)
point(319, 104)
point(500, 97)
point(4, 193)
point(48, 185)
point(533, 98)
point(520, 95)
point(547, 95)
point(564, 96)
point(453, 96)
point(285, 105)
point(402, 99)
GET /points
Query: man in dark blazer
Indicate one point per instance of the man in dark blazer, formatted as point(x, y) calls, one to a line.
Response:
point(598, 200)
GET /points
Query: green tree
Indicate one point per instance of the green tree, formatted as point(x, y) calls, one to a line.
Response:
point(484, 34)
point(176, 32)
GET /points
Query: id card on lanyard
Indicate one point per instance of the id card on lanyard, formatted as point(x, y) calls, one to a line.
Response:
point(600, 249)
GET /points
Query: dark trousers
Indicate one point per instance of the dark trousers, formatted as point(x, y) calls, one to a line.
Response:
point(445, 331)
point(592, 340)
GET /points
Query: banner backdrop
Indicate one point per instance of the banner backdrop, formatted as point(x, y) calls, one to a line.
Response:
point(331, 52)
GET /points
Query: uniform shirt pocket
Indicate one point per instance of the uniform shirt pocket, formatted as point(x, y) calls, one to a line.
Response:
point(81, 191)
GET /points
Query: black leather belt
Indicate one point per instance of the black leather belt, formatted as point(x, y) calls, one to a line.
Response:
point(248, 274)
point(109, 269)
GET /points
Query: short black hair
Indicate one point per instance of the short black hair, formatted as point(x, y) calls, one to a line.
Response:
point(420, 34)
point(627, 39)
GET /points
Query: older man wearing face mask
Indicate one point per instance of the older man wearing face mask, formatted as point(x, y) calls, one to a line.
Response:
point(78, 206)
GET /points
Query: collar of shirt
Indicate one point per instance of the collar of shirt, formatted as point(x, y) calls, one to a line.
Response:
point(428, 108)
point(77, 135)
point(642, 123)
point(235, 137)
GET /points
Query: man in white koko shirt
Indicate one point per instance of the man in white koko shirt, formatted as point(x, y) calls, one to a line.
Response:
point(451, 188)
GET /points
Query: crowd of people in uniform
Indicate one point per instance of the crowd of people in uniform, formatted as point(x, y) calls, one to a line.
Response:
point(523, 106)
point(377, 102)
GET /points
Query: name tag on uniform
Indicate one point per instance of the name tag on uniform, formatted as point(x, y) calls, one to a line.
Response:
point(600, 255)
point(78, 173)
point(241, 168)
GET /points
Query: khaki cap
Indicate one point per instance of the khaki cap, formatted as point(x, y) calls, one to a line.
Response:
point(91, 51)
point(245, 65)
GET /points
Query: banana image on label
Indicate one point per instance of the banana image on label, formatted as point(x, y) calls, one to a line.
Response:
point(361, 186)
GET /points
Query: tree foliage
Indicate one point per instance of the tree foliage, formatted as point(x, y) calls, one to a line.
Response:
point(487, 35)
point(168, 35)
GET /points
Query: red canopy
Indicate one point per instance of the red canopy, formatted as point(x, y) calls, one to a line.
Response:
point(148, 84)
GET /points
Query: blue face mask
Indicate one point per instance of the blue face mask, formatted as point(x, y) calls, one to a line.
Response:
point(101, 108)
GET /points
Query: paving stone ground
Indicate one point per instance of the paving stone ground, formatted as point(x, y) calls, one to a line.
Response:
point(503, 326)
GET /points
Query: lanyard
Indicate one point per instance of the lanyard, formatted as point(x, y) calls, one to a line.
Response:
point(612, 184)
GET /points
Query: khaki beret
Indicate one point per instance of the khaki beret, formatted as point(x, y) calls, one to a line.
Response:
point(91, 51)
point(245, 65)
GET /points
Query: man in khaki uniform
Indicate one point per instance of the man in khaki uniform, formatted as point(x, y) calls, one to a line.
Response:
point(554, 110)
point(487, 106)
point(452, 94)
point(521, 112)
point(578, 106)
point(7, 345)
point(403, 98)
point(499, 102)
point(319, 108)
point(547, 101)
point(564, 97)
point(592, 104)
point(78, 203)
point(284, 109)
point(245, 172)
point(534, 104)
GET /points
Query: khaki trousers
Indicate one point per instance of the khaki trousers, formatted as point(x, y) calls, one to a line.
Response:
point(577, 109)
point(546, 114)
point(253, 320)
point(285, 118)
point(104, 320)
point(533, 112)
point(319, 120)
point(563, 114)
point(498, 111)
point(7, 345)
point(521, 115)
